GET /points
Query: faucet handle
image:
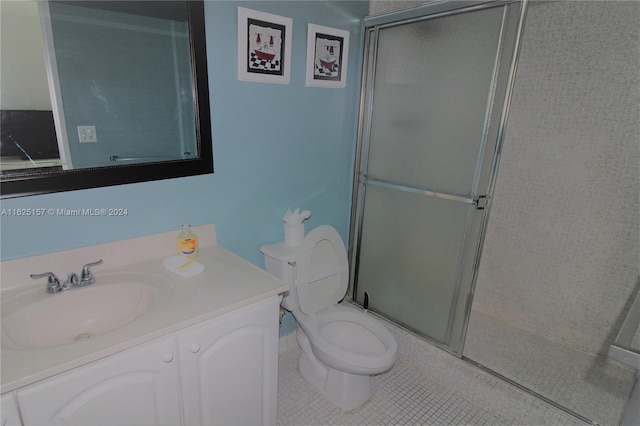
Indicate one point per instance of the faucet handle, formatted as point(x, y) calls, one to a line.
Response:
point(86, 276)
point(53, 283)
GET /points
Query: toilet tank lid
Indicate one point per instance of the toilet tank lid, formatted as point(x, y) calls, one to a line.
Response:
point(280, 251)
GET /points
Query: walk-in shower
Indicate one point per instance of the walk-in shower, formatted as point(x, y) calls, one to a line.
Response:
point(538, 292)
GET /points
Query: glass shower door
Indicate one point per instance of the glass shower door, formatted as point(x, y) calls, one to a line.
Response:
point(435, 88)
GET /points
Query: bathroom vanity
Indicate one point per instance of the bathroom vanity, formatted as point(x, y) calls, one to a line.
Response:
point(198, 350)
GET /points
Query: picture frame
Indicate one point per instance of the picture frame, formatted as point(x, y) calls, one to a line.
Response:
point(264, 47)
point(327, 56)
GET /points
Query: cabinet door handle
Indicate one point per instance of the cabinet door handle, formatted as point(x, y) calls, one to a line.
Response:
point(194, 347)
point(167, 357)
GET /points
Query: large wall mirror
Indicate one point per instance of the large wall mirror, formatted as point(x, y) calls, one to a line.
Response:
point(98, 93)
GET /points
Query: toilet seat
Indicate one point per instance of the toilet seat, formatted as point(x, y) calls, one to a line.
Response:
point(322, 270)
point(358, 343)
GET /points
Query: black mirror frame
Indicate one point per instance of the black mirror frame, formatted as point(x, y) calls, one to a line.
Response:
point(68, 180)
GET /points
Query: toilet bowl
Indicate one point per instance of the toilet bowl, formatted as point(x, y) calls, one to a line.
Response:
point(341, 346)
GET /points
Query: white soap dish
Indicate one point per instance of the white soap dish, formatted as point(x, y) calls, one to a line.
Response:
point(182, 266)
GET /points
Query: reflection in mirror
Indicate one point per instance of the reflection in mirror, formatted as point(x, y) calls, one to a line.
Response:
point(27, 126)
point(93, 86)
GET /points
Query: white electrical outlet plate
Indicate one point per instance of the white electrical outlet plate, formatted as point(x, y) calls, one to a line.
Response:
point(87, 134)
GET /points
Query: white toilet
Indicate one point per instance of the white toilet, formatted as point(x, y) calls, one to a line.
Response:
point(341, 345)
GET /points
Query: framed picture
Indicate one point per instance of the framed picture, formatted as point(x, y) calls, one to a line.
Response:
point(264, 47)
point(327, 53)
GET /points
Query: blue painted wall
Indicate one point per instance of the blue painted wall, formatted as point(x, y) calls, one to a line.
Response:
point(275, 147)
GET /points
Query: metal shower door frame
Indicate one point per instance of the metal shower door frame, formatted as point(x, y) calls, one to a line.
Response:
point(486, 165)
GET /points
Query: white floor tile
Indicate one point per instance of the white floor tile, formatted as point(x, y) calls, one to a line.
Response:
point(426, 386)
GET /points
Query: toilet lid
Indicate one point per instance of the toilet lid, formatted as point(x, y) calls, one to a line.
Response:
point(322, 270)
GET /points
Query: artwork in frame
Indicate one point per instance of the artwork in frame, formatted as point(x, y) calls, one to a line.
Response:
point(327, 54)
point(264, 47)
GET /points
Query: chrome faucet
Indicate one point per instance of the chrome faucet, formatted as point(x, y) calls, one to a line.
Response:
point(71, 281)
point(53, 283)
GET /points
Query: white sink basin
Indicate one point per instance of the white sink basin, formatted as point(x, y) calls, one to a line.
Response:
point(36, 320)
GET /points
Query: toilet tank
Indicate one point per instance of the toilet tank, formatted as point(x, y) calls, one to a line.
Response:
point(280, 261)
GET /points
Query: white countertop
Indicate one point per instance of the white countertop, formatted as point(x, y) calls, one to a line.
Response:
point(227, 283)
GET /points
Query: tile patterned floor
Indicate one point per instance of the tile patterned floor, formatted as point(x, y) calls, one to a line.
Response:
point(595, 387)
point(426, 386)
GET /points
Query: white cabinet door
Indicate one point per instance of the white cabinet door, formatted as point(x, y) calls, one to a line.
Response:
point(229, 367)
point(10, 414)
point(137, 387)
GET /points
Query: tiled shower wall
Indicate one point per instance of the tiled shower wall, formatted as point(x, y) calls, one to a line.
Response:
point(562, 250)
